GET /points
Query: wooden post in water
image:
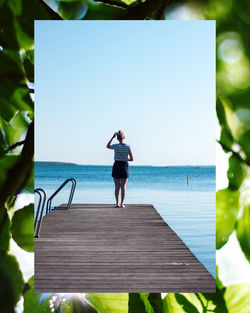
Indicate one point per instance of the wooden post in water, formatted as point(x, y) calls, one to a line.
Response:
point(187, 180)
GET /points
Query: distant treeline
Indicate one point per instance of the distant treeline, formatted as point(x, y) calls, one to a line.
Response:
point(43, 163)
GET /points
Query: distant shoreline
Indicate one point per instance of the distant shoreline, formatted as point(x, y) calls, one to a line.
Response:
point(51, 163)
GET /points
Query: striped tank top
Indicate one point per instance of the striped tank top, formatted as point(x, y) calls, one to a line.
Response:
point(121, 151)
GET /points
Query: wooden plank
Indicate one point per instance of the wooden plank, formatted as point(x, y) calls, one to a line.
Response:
point(100, 248)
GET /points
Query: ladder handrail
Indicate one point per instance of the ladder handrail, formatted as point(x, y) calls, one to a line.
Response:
point(37, 227)
point(73, 181)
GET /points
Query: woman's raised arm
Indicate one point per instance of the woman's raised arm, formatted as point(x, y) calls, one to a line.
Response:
point(110, 141)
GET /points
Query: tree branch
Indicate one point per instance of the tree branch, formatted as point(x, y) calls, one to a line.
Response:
point(121, 5)
point(21, 170)
point(235, 154)
point(20, 143)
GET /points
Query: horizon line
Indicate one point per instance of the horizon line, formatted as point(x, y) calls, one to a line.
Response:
point(193, 165)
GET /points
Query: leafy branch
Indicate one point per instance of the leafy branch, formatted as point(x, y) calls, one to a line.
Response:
point(140, 10)
point(235, 154)
point(19, 174)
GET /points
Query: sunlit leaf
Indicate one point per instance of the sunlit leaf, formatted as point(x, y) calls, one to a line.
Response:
point(32, 302)
point(227, 206)
point(15, 129)
point(171, 305)
point(186, 305)
point(109, 302)
point(237, 298)
point(11, 282)
point(243, 231)
point(235, 173)
point(218, 281)
point(23, 228)
point(72, 10)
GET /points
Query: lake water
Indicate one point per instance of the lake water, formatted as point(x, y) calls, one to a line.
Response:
point(189, 209)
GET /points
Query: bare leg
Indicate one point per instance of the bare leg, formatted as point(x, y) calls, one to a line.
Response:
point(123, 190)
point(117, 189)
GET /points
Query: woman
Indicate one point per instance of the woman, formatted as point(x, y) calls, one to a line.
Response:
point(120, 171)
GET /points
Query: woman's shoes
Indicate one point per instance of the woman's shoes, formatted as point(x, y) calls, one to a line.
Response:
point(122, 205)
point(117, 206)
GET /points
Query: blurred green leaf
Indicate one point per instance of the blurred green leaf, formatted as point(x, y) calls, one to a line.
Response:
point(220, 112)
point(235, 173)
point(218, 281)
point(15, 129)
point(243, 232)
point(171, 305)
point(155, 301)
point(32, 301)
point(214, 302)
point(72, 10)
point(22, 228)
point(11, 282)
point(4, 230)
point(185, 304)
point(109, 302)
point(237, 298)
point(244, 143)
point(227, 206)
point(136, 303)
point(6, 163)
point(78, 305)
point(226, 138)
point(2, 145)
point(8, 37)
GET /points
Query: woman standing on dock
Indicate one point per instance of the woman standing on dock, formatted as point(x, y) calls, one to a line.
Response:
point(120, 170)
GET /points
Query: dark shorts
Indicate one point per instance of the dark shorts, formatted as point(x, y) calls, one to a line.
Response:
point(120, 169)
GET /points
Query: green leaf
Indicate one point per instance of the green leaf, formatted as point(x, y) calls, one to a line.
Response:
point(244, 143)
point(171, 305)
point(15, 129)
point(156, 303)
point(218, 281)
point(109, 302)
point(4, 230)
point(227, 206)
point(23, 228)
point(243, 232)
point(32, 301)
point(226, 138)
point(137, 303)
point(220, 112)
point(237, 298)
point(214, 301)
point(8, 37)
point(235, 173)
point(2, 145)
point(11, 282)
point(6, 163)
point(185, 304)
point(74, 10)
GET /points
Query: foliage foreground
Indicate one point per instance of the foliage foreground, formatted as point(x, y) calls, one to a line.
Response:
point(17, 148)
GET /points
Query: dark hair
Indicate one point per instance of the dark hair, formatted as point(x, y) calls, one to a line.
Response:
point(120, 135)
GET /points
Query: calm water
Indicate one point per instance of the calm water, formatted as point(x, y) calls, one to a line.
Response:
point(188, 209)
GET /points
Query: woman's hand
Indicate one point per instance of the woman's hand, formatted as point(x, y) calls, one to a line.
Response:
point(110, 141)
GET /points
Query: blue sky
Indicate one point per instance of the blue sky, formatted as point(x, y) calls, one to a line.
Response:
point(155, 80)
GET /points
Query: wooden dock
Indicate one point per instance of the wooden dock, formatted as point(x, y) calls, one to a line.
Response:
point(100, 248)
